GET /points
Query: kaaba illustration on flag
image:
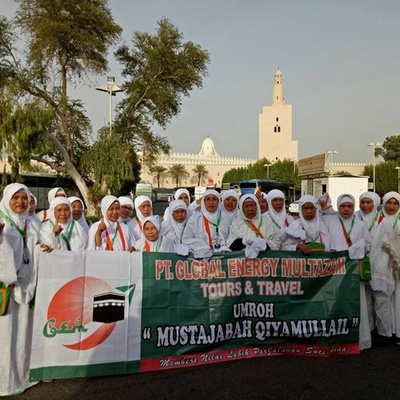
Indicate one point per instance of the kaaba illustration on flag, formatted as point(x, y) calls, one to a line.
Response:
point(108, 307)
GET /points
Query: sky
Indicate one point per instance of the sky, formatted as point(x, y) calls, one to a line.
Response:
point(340, 62)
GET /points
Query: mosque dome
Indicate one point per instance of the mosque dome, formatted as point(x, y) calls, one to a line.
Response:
point(208, 148)
point(278, 72)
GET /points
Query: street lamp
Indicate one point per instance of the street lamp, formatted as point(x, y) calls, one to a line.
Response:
point(330, 158)
point(398, 179)
point(374, 145)
point(267, 166)
point(111, 88)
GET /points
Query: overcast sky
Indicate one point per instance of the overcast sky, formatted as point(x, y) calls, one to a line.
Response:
point(340, 62)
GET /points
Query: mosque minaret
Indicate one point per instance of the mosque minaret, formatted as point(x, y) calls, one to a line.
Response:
point(275, 126)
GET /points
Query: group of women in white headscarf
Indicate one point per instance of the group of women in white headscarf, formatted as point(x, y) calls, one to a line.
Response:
point(214, 224)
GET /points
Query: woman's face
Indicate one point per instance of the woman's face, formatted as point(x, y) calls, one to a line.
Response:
point(392, 206)
point(145, 209)
point(62, 213)
point(278, 204)
point(309, 211)
point(126, 211)
point(366, 205)
point(185, 198)
point(211, 203)
point(249, 209)
point(113, 212)
point(77, 209)
point(31, 208)
point(19, 202)
point(150, 231)
point(230, 203)
point(179, 215)
point(263, 204)
point(346, 209)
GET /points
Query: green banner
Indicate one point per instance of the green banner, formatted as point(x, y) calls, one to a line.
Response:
point(228, 307)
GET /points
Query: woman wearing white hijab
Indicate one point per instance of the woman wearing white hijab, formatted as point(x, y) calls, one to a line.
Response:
point(308, 233)
point(61, 231)
point(391, 211)
point(277, 212)
point(229, 206)
point(126, 209)
point(250, 230)
point(78, 214)
point(348, 232)
point(381, 286)
point(108, 234)
point(52, 194)
point(31, 210)
point(144, 209)
point(19, 232)
point(152, 240)
point(205, 231)
point(184, 195)
point(174, 227)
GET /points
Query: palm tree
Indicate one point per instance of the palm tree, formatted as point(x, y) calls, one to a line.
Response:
point(200, 171)
point(158, 170)
point(177, 171)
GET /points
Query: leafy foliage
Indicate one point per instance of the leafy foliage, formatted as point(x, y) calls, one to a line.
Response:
point(200, 171)
point(390, 150)
point(160, 69)
point(282, 170)
point(386, 176)
point(177, 171)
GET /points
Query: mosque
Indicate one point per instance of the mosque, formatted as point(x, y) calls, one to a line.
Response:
point(275, 143)
point(275, 140)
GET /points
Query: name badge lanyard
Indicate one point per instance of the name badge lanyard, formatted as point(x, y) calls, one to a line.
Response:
point(207, 226)
point(67, 239)
point(277, 225)
point(182, 231)
point(255, 229)
point(22, 232)
point(139, 224)
point(110, 242)
point(345, 233)
point(158, 247)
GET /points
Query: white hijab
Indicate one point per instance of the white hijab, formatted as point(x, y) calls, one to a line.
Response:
point(346, 198)
point(390, 195)
point(211, 216)
point(125, 200)
point(279, 217)
point(106, 203)
point(229, 216)
point(250, 197)
point(53, 193)
point(9, 191)
point(171, 224)
point(82, 220)
point(368, 218)
point(311, 227)
point(138, 202)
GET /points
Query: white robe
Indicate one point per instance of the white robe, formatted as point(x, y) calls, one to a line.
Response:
point(240, 229)
point(77, 241)
point(16, 325)
point(127, 234)
point(162, 245)
point(361, 243)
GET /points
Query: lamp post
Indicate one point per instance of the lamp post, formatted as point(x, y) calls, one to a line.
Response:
point(111, 88)
point(267, 166)
point(398, 179)
point(374, 145)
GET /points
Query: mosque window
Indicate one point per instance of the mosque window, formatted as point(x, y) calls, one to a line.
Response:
point(279, 128)
point(275, 129)
point(277, 119)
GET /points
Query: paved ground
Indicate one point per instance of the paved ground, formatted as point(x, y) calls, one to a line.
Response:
point(374, 374)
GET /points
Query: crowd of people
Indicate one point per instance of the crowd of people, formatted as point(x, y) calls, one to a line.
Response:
point(214, 224)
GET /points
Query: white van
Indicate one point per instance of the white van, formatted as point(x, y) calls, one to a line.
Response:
point(144, 189)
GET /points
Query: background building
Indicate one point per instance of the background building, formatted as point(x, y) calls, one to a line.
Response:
point(275, 127)
point(208, 156)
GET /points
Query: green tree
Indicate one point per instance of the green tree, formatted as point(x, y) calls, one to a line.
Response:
point(386, 176)
point(66, 40)
point(160, 70)
point(66, 43)
point(390, 150)
point(177, 171)
point(200, 171)
point(158, 170)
